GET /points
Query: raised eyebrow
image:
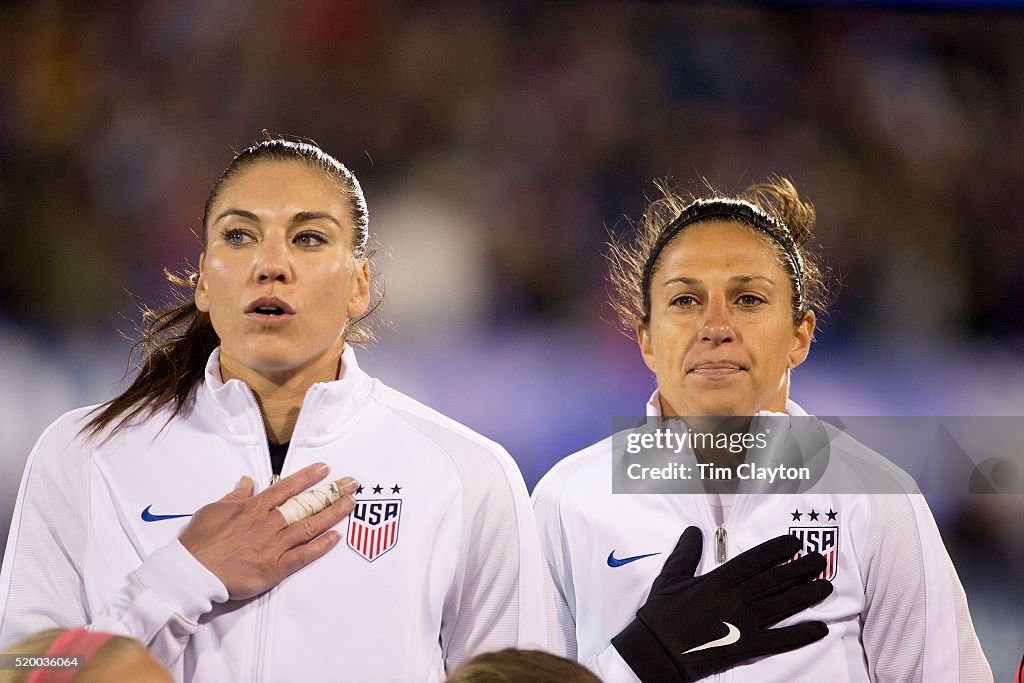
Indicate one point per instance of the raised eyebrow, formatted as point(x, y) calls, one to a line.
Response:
point(299, 217)
point(305, 216)
point(683, 281)
point(743, 279)
point(248, 215)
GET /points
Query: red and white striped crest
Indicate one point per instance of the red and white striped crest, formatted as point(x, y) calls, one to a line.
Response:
point(819, 539)
point(373, 527)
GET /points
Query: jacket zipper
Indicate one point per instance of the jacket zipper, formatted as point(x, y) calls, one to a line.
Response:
point(274, 478)
point(263, 602)
point(263, 607)
point(263, 618)
point(721, 554)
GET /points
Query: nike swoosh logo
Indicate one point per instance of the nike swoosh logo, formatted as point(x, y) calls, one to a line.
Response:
point(148, 516)
point(615, 562)
point(728, 639)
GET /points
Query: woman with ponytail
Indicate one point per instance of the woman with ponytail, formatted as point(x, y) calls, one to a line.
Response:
point(421, 554)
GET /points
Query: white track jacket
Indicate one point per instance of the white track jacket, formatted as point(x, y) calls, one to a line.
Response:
point(438, 562)
point(897, 613)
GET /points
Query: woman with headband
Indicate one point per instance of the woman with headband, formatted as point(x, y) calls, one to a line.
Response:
point(421, 556)
point(721, 293)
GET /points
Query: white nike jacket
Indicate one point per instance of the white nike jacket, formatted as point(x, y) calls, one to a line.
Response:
point(897, 613)
point(439, 561)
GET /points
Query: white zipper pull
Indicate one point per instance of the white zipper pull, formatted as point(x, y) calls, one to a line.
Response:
point(720, 537)
point(274, 478)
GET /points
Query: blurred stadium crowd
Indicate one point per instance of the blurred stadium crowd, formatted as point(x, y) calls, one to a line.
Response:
point(497, 144)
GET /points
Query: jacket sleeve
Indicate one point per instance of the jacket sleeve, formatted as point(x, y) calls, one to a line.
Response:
point(495, 601)
point(43, 579)
point(560, 592)
point(912, 593)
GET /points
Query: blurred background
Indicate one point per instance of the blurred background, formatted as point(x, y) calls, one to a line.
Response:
point(498, 144)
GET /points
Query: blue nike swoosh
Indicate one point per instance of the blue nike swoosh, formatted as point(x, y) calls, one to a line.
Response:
point(615, 562)
point(147, 516)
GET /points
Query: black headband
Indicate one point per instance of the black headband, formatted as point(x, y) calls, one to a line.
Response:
point(735, 209)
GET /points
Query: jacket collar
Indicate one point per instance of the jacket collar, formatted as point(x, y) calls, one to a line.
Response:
point(230, 408)
point(792, 409)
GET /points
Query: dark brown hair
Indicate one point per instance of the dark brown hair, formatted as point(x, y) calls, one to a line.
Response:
point(521, 666)
point(772, 208)
point(176, 342)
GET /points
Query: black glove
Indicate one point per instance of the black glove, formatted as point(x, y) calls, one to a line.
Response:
point(673, 636)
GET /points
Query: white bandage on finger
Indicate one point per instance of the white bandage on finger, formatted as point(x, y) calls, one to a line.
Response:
point(309, 503)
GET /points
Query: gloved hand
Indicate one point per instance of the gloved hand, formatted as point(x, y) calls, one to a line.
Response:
point(693, 626)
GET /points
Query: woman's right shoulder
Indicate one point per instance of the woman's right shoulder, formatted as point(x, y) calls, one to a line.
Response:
point(66, 441)
point(587, 469)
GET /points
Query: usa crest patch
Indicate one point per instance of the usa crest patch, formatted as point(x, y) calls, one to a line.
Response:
point(819, 539)
point(373, 527)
